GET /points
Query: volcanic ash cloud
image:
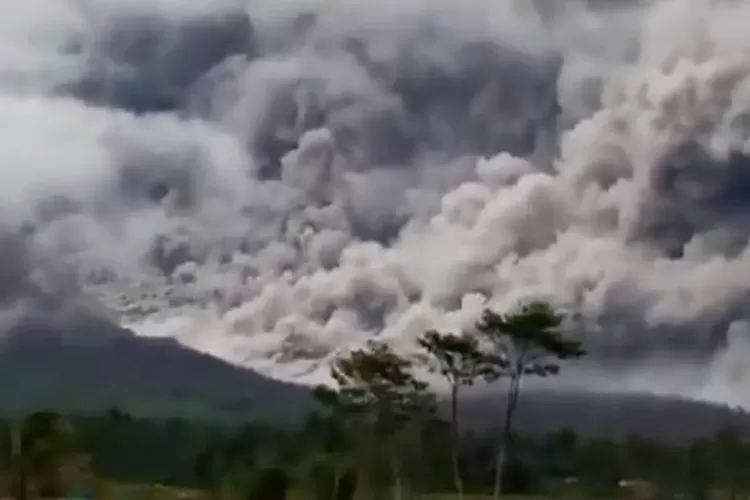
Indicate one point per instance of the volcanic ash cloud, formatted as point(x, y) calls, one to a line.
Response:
point(272, 185)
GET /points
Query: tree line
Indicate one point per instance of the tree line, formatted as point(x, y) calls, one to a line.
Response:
point(378, 397)
point(377, 431)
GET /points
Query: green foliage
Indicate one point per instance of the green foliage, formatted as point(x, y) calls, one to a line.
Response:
point(530, 339)
point(246, 457)
point(347, 486)
point(459, 357)
point(377, 386)
point(601, 465)
point(461, 361)
point(519, 478)
point(39, 447)
point(380, 399)
point(270, 484)
point(377, 430)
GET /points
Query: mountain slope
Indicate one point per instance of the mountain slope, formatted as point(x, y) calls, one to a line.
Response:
point(597, 414)
point(43, 365)
point(87, 365)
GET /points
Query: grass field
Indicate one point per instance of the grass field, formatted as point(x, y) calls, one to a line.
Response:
point(136, 492)
point(166, 493)
point(160, 492)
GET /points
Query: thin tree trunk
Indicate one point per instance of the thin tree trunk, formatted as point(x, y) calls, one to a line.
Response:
point(17, 453)
point(336, 482)
point(397, 486)
point(456, 443)
point(504, 447)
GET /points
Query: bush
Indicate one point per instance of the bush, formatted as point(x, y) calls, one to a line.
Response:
point(347, 486)
point(324, 481)
point(270, 484)
point(519, 478)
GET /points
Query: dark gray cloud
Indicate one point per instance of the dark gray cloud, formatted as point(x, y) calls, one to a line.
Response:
point(143, 62)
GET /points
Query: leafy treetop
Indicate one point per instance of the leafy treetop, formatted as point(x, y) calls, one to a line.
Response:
point(528, 338)
point(459, 357)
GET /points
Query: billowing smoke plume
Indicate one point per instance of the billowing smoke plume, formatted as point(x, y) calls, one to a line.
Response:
point(274, 181)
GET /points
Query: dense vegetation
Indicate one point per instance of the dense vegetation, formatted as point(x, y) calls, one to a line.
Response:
point(201, 456)
point(378, 434)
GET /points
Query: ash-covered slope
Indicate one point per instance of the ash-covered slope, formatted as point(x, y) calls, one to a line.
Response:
point(91, 366)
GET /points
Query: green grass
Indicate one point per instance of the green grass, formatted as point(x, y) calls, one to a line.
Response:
point(452, 496)
point(158, 492)
point(154, 492)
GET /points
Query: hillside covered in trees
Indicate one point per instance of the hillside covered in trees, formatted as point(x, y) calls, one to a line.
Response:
point(104, 367)
point(381, 429)
point(201, 456)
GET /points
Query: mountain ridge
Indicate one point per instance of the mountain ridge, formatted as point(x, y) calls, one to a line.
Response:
point(84, 365)
point(91, 372)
